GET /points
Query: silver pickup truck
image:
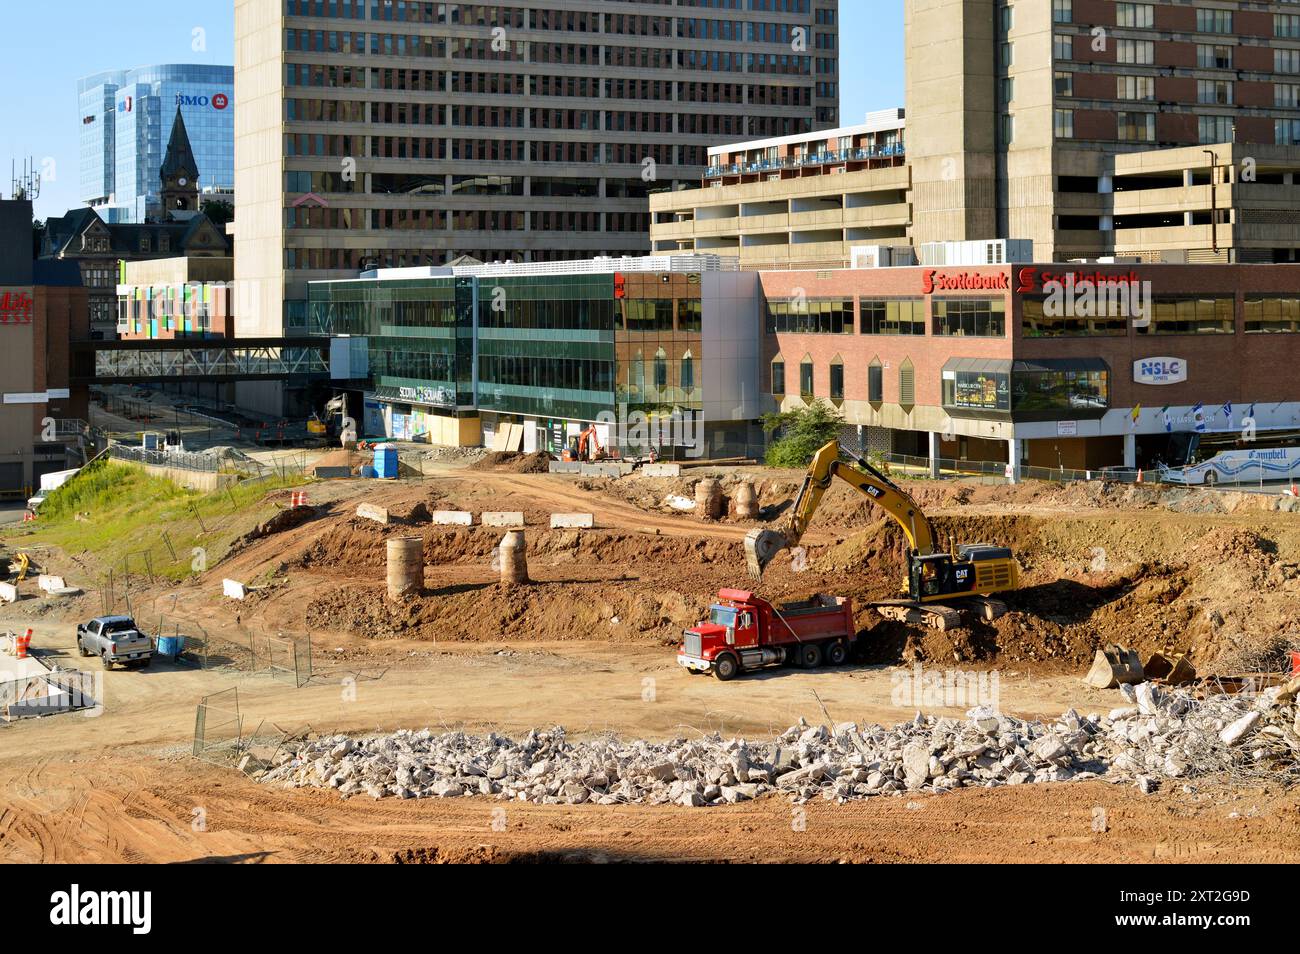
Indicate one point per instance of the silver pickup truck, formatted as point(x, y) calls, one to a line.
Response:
point(115, 639)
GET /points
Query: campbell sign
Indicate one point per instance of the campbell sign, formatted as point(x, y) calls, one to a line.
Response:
point(933, 281)
point(1160, 371)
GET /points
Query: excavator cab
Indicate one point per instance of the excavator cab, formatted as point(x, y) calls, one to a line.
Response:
point(975, 569)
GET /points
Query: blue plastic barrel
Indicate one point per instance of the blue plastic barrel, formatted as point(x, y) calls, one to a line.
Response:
point(171, 646)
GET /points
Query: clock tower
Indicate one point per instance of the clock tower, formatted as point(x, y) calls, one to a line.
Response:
point(180, 175)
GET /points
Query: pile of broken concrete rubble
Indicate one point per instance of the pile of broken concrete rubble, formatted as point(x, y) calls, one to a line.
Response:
point(1163, 735)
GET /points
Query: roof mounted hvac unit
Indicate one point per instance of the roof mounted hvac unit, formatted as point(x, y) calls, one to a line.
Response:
point(979, 252)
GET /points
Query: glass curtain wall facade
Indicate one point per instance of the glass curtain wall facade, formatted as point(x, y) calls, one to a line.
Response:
point(660, 356)
point(555, 348)
point(126, 117)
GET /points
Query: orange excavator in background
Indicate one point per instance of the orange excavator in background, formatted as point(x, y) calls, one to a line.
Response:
point(586, 447)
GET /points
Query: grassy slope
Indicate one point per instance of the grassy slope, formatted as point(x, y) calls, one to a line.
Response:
point(128, 514)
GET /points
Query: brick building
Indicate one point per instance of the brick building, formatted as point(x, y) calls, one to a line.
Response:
point(42, 306)
point(975, 363)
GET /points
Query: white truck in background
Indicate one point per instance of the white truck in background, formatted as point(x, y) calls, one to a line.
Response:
point(49, 483)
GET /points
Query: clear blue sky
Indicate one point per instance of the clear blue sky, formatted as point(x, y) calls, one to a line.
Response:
point(63, 40)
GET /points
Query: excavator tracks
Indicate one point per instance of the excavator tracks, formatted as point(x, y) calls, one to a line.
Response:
point(938, 616)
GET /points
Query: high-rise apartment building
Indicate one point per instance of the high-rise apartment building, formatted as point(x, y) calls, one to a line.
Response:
point(126, 116)
point(1096, 127)
point(403, 133)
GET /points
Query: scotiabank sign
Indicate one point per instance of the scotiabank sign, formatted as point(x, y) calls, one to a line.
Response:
point(933, 280)
point(16, 308)
point(1030, 280)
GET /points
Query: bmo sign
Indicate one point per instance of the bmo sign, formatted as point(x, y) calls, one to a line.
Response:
point(1160, 371)
point(217, 101)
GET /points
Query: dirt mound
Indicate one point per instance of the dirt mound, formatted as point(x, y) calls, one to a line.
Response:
point(516, 463)
point(282, 521)
point(488, 612)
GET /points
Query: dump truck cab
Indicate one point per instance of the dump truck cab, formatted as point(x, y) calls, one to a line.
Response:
point(732, 625)
point(744, 631)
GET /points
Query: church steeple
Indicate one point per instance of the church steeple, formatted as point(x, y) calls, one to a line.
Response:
point(180, 174)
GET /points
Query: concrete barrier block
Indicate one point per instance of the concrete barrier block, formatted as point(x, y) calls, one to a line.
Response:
point(234, 589)
point(661, 470)
point(572, 521)
point(453, 518)
point(371, 512)
point(606, 469)
point(565, 467)
point(8, 592)
point(50, 583)
point(502, 518)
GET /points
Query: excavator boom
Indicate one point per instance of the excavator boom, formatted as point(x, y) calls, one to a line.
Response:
point(762, 546)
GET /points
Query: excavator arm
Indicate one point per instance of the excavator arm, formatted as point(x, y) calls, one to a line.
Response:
point(761, 546)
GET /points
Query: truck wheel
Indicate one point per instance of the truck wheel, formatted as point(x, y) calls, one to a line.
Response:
point(810, 656)
point(81, 648)
point(725, 668)
point(837, 653)
point(108, 663)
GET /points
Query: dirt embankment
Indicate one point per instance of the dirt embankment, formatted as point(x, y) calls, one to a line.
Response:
point(1100, 565)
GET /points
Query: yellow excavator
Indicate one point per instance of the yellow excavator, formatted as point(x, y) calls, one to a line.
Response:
point(970, 572)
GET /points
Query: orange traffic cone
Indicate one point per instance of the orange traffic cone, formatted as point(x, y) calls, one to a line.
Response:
point(1139, 475)
point(22, 644)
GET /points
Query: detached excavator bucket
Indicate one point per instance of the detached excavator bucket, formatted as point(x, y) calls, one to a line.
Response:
point(1173, 670)
point(760, 547)
point(1113, 666)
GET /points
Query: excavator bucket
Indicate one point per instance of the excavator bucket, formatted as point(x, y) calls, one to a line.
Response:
point(760, 547)
point(1173, 670)
point(1113, 666)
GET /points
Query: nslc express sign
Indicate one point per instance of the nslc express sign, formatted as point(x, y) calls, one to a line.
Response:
point(15, 308)
point(933, 280)
point(1160, 371)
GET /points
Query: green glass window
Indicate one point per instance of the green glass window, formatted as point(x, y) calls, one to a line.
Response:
point(1193, 315)
point(778, 377)
point(970, 317)
point(806, 378)
point(837, 380)
point(892, 317)
point(1272, 315)
point(1036, 323)
point(813, 316)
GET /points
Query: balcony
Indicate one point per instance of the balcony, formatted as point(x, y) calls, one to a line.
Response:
point(891, 151)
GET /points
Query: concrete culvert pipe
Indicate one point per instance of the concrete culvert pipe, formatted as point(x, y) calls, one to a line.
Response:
point(405, 567)
point(708, 498)
point(746, 501)
point(514, 557)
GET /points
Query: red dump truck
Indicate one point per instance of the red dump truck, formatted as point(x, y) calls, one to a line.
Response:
point(745, 632)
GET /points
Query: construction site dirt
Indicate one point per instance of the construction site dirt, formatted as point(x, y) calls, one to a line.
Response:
point(588, 645)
